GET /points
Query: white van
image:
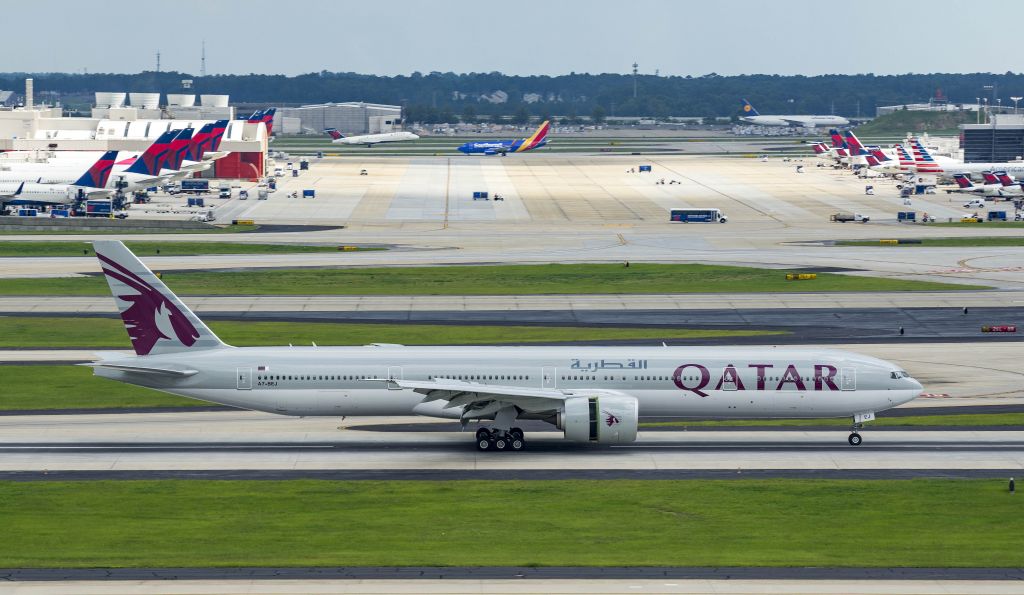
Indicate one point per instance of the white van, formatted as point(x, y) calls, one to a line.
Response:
point(975, 203)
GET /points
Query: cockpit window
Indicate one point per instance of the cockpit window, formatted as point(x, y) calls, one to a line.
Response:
point(897, 374)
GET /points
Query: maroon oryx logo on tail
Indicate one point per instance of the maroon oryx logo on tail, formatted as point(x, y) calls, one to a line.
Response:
point(150, 316)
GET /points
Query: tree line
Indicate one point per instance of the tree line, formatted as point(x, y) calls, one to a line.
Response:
point(448, 96)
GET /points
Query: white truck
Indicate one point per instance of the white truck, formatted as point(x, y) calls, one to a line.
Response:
point(844, 217)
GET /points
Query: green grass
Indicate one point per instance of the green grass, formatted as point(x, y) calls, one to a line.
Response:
point(487, 280)
point(943, 242)
point(903, 121)
point(980, 226)
point(127, 230)
point(969, 419)
point(187, 523)
point(37, 332)
point(168, 248)
point(70, 387)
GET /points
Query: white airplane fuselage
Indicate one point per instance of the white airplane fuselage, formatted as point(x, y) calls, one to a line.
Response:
point(373, 139)
point(666, 381)
point(806, 121)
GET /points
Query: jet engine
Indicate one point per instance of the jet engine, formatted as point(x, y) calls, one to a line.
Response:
point(607, 419)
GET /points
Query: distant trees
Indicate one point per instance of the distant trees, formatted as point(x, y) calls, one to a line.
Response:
point(436, 96)
point(597, 115)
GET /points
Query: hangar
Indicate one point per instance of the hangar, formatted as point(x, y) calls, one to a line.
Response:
point(116, 126)
point(350, 117)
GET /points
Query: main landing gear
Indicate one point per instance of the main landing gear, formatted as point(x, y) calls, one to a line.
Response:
point(494, 439)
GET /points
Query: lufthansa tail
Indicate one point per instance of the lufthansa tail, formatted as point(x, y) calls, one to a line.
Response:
point(748, 109)
point(156, 320)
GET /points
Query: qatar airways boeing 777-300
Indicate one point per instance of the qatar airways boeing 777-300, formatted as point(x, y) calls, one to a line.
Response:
point(592, 394)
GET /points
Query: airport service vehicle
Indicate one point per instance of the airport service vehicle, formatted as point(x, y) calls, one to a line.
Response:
point(196, 186)
point(592, 394)
point(975, 203)
point(697, 216)
point(751, 116)
point(539, 138)
point(845, 217)
point(370, 139)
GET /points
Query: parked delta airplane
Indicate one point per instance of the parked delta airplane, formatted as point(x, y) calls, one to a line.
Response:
point(750, 115)
point(90, 184)
point(593, 394)
point(493, 147)
point(945, 167)
point(369, 139)
point(266, 116)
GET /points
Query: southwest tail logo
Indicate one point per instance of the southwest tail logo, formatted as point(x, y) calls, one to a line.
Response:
point(537, 139)
point(98, 175)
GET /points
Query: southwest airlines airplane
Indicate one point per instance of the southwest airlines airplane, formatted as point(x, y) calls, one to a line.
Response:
point(539, 138)
point(593, 394)
point(750, 115)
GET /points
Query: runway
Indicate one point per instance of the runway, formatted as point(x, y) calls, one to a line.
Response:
point(249, 441)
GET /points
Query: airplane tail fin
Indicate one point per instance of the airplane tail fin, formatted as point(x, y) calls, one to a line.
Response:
point(268, 119)
point(199, 143)
point(819, 148)
point(148, 163)
point(837, 139)
point(963, 181)
point(879, 154)
point(538, 138)
point(748, 109)
point(989, 177)
point(853, 142)
point(156, 320)
point(1004, 178)
point(923, 160)
point(872, 160)
point(178, 148)
point(334, 133)
point(98, 175)
point(217, 134)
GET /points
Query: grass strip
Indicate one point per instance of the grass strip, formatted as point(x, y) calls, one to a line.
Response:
point(942, 242)
point(38, 332)
point(489, 280)
point(194, 523)
point(168, 248)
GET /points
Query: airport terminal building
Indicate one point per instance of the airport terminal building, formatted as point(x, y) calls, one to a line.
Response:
point(115, 126)
point(998, 142)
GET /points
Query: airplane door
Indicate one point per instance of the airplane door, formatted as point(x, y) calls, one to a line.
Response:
point(547, 377)
point(729, 379)
point(848, 379)
point(243, 378)
point(394, 373)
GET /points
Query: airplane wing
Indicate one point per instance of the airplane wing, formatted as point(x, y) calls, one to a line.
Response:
point(481, 399)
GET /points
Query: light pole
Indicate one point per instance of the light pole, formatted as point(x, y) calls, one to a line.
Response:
point(1015, 100)
point(977, 104)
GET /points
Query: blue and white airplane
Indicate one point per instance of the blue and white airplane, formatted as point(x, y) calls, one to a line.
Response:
point(493, 147)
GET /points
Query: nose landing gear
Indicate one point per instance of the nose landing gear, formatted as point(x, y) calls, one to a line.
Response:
point(854, 439)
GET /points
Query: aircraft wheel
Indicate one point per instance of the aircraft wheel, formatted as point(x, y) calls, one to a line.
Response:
point(517, 443)
point(854, 439)
point(484, 444)
point(483, 434)
point(516, 432)
point(501, 443)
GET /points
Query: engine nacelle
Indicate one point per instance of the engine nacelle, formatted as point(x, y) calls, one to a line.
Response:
point(607, 419)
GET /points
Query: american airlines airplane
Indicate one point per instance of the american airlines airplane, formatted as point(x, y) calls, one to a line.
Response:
point(592, 394)
point(751, 116)
point(370, 139)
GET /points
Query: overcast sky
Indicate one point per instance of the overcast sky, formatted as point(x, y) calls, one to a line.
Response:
point(515, 37)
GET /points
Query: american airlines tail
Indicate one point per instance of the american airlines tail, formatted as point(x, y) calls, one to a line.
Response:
point(156, 320)
point(923, 160)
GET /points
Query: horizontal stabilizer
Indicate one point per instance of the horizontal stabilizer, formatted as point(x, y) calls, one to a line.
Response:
point(160, 370)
